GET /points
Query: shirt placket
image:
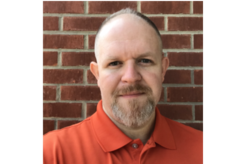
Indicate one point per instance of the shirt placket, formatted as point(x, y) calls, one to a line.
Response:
point(150, 144)
point(136, 148)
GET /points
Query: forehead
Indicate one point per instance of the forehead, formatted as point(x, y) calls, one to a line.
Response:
point(129, 34)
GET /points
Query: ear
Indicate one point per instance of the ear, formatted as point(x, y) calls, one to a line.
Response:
point(94, 69)
point(165, 65)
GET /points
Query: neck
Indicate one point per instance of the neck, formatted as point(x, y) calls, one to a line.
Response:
point(143, 132)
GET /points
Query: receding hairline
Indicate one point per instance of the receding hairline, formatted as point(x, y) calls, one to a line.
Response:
point(121, 12)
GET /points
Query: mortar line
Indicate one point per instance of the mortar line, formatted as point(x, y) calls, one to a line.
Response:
point(56, 119)
point(61, 24)
point(191, 7)
point(192, 41)
point(87, 67)
point(86, 42)
point(94, 32)
point(92, 101)
point(193, 112)
point(68, 50)
point(57, 92)
point(166, 23)
point(180, 103)
point(86, 7)
point(106, 15)
point(59, 59)
point(71, 101)
point(92, 50)
point(85, 76)
point(84, 110)
point(63, 119)
point(65, 67)
point(139, 6)
point(95, 85)
point(56, 124)
point(188, 121)
point(70, 32)
point(72, 84)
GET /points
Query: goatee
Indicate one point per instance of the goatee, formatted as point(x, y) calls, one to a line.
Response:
point(135, 113)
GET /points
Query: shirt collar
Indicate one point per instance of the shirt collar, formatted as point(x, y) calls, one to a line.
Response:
point(162, 133)
point(111, 138)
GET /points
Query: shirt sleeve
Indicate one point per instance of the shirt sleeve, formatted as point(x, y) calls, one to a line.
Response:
point(51, 149)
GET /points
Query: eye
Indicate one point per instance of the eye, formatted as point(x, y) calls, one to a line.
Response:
point(115, 63)
point(145, 61)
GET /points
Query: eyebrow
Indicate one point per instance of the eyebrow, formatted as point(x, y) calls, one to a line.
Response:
point(145, 54)
point(115, 57)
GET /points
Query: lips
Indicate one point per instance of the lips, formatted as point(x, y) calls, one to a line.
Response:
point(132, 94)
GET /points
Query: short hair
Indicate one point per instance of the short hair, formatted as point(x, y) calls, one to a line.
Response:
point(125, 11)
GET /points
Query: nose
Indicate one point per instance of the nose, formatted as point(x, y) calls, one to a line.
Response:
point(130, 73)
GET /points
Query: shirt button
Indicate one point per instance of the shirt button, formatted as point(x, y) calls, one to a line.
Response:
point(135, 146)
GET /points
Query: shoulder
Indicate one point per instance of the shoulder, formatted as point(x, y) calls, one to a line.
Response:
point(69, 136)
point(180, 130)
point(68, 132)
point(67, 143)
point(187, 139)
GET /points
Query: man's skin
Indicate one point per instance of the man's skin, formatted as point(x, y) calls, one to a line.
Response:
point(129, 53)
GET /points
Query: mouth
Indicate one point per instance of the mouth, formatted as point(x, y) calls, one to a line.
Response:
point(132, 94)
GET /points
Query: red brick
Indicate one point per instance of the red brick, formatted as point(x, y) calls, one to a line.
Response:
point(198, 76)
point(65, 123)
point(185, 23)
point(63, 41)
point(168, 7)
point(104, 7)
point(50, 58)
point(198, 126)
point(50, 23)
point(60, 76)
point(91, 41)
point(49, 92)
point(176, 41)
point(91, 109)
point(80, 93)
point(198, 7)
point(158, 21)
point(48, 125)
point(77, 58)
point(184, 94)
point(198, 41)
point(185, 58)
point(198, 112)
point(62, 110)
point(178, 77)
point(91, 78)
point(175, 112)
point(63, 7)
point(82, 23)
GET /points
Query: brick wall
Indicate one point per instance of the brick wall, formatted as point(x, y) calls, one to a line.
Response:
point(70, 92)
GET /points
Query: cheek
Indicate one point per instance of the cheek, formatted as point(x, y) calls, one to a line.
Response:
point(154, 81)
point(108, 82)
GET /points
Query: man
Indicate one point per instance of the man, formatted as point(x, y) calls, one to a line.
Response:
point(127, 127)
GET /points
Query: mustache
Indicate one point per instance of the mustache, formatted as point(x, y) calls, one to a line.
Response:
point(132, 88)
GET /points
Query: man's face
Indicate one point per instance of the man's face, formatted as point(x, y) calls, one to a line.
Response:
point(130, 69)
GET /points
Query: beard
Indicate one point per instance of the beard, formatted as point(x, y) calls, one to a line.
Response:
point(135, 113)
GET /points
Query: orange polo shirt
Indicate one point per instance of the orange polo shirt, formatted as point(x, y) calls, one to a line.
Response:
point(97, 140)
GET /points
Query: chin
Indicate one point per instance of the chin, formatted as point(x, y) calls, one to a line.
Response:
point(134, 112)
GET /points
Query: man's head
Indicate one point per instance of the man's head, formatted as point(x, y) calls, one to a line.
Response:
point(130, 68)
point(124, 11)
